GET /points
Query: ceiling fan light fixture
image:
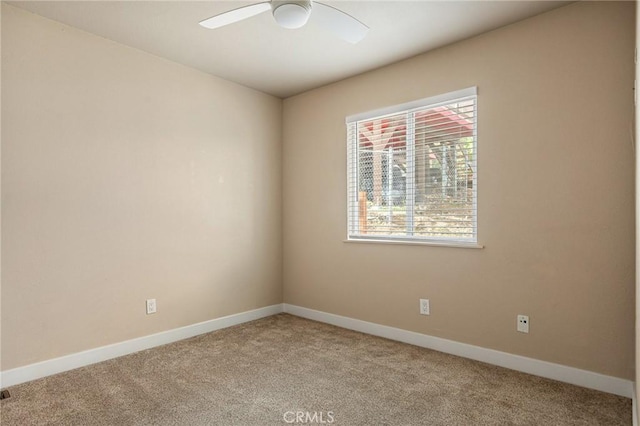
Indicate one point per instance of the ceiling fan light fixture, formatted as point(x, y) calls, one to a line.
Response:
point(291, 15)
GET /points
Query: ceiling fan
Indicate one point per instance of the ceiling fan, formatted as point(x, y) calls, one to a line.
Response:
point(295, 14)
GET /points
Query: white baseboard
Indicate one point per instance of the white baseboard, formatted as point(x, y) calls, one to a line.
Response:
point(69, 362)
point(549, 370)
point(634, 405)
point(562, 373)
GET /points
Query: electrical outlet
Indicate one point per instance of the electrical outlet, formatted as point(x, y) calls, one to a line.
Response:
point(523, 324)
point(151, 306)
point(424, 307)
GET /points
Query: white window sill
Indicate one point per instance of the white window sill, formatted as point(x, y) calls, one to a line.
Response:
point(416, 243)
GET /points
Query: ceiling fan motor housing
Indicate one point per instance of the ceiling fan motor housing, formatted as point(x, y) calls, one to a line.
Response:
point(291, 14)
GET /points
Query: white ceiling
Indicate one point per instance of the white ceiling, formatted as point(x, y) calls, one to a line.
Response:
point(258, 53)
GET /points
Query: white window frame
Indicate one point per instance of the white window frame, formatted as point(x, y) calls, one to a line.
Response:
point(352, 171)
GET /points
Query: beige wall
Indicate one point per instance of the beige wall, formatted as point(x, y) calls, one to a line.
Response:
point(556, 200)
point(127, 177)
point(0, 196)
point(637, 138)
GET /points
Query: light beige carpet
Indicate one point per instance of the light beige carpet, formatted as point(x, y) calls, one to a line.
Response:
point(263, 372)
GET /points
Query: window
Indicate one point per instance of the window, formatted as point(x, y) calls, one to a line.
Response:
point(412, 171)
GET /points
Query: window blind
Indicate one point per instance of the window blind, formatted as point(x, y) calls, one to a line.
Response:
point(412, 170)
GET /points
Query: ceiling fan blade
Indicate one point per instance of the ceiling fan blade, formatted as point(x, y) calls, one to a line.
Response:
point(235, 15)
point(338, 22)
